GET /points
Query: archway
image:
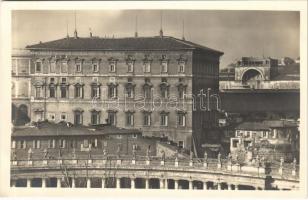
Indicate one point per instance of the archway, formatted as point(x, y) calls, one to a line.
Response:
point(252, 78)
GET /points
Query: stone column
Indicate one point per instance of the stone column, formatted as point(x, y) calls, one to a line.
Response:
point(73, 183)
point(88, 183)
point(218, 186)
point(191, 185)
point(13, 183)
point(118, 183)
point(235, 187)
point(44, 180)
point(58, 182)
point(132, 183)
point(103, 182)
point(204, 186)
point(28, 183)
point(161, 183)
point(176, 184)
point(147, 183)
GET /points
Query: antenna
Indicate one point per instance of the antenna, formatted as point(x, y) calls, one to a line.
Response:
point(161, 24)
point(263, 49)
point(75, 32)
point(67, 28)
point(136, 26)
point(183, 32)
point(90, 32)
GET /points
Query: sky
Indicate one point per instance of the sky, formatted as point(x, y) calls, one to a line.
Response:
point(237, 33)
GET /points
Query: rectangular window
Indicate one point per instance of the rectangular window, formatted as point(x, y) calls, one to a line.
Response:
point(181, 120)
point(78, 118)
point(63, 92)
point(181, 144)
point(85, 143)
point(112, 67)
point(38, 92)
point(52, 92)
point(147, 67)
point(62, 143)
point(181, 93)
point(52, 143)
point(38, 67)
point(164, 66)
point(64, 67)
point(164, 120)
point(147, 92)
point(95, 67)
point(95, 118)
point(112, 118)
point(95, 92)
point(52, 67)
point(130, 66)
point(181, 66)
point(164, 92)
point(63, 80)
point(78, 67)
point(52, 80)
point(78, 92)
point(23, 144)
point(264, 135)
point(94, 143)
point(63, 117)
point(129, 119)
point(52, 116)
point(147, 119)
point(234, 143)
point(112, 91)
point(36, 144)
point(130, 92)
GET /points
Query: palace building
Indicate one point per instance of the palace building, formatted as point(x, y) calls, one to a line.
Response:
point(146, 83)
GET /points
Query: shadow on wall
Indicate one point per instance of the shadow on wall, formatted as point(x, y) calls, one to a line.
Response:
point(20, 115)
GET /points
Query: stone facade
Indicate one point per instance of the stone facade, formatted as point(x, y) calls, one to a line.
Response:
point(49, 81)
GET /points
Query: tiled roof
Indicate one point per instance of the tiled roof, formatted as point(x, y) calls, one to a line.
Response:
point(61, 129)
point(133, 43)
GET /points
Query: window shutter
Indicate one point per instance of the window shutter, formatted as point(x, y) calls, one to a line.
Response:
point(95, 142)
point(13, 144)
point(25, 144)
point(33, 144)
point(38, 144)
point(64, 142)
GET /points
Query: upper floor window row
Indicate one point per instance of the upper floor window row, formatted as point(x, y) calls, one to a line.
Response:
point(78, 65)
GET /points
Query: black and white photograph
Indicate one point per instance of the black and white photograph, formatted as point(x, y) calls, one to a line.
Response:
point(156, 99)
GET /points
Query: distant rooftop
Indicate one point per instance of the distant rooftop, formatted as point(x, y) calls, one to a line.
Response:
point(67, 129)
point(130, 43)
point(266, 125)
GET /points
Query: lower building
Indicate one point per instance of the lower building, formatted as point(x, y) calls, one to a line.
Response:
point(271, 140)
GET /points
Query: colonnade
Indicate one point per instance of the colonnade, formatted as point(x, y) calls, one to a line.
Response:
point(131, 183)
